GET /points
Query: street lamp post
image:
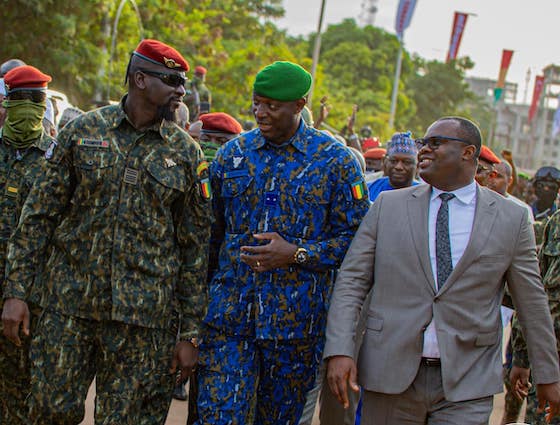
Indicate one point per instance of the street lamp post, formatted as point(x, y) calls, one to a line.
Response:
point(316, 51)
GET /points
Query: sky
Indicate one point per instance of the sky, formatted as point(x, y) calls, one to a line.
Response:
point(530, 29)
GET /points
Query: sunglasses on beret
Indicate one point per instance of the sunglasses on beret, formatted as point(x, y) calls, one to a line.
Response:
point(173, 80)
point(435, 142)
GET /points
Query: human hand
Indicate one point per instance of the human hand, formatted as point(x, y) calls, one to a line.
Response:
point(341, 372)
point(275, 254)
point(519, 378)
point(549, 393)
point(14, 315)
point(507, 155)
point(185, 357)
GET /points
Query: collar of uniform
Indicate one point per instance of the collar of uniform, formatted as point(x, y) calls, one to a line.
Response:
point(297, 140)
point(117, 118)
point(114, 120)
point(44, 142)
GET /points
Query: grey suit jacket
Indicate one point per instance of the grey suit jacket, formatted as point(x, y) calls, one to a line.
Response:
point(390, 253)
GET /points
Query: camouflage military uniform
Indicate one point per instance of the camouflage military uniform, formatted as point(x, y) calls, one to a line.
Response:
point(18, 170)
point(549, 261)
point(269, 327)
point(127, 215)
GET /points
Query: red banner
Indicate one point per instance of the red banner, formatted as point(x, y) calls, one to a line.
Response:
point(539, 84)
point(459, 22)
point(504, 66)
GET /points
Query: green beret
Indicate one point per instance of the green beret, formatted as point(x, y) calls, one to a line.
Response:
point(284, 81)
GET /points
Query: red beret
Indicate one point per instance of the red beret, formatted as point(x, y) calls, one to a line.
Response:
point(26, 77)
point(200, 70)
point(370, 142)
point(375, 153)
point(487, 155)
point(161, 54)
point(220, 122)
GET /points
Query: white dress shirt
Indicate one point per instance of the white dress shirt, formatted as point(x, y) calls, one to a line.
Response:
point(461, 218)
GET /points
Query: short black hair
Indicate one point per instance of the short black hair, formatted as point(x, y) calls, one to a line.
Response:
point(468, 130)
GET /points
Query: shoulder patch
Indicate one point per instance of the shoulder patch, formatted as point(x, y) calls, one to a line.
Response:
point(203, 166)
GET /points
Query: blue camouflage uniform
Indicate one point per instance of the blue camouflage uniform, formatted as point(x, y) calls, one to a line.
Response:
point(269, 327)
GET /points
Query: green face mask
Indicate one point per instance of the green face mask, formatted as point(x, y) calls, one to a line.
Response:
point(24, 121)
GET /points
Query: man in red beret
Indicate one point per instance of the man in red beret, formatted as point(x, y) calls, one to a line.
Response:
point(217, 129)
point(23, 144)
point(198, 97)
point(121, 215)
point(486, 162)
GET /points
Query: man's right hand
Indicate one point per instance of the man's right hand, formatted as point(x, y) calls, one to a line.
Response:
point(341, 372)
point(14, 315)
point(549, 393)
point(519, 378)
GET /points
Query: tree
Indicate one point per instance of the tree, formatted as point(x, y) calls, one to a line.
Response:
point(439, 89)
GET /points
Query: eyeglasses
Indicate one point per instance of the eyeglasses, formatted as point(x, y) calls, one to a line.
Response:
point(173, 80)
point(434, 142)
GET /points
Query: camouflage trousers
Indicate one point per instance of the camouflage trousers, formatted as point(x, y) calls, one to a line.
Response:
point(15, 380)
point(513, 405)
point(237, 374)
point(130, 365)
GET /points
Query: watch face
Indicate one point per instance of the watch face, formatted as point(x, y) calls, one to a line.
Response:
point(301, 257)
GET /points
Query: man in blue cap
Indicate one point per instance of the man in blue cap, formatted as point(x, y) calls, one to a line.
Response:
point(287, 201)
point(399, 165)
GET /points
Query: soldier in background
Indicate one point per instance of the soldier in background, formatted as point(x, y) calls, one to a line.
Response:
point(549, 262)
point(23, 144)
point(198, 97)
point(124, 207)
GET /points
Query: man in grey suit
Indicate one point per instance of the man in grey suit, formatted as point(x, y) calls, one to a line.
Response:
point(437, 257)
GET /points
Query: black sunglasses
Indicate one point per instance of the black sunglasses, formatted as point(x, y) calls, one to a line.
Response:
point(173, 80)
point(435, 142)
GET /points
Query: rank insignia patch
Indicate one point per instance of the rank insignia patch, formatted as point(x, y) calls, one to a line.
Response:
point(169, 163)
point(50, 150)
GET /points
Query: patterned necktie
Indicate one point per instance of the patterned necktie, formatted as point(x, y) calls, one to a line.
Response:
point(443, 246)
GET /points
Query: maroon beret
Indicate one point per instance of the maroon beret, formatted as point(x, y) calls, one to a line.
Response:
point(487, 155)
point(375, 153)
point(26, 77)
point(200, 70)
point(161, 54)
point(220, 122)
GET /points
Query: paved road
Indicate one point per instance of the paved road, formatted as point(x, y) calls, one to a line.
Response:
point(178, 412)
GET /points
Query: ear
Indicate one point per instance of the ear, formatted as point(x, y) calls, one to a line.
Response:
point(469, 153)
point(139, 80)
point(300, 103)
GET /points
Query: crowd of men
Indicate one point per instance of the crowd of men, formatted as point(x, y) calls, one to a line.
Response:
point(151, 242)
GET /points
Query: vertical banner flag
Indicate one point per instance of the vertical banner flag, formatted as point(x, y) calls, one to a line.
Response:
point(404, 16)
point(537, 90)
point(504, 66)
point(459, 23)
point(556, 121)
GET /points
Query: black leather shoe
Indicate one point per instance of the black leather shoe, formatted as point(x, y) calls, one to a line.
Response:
point(179, 392)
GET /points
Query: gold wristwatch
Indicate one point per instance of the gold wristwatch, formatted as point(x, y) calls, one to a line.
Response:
point(301, 256)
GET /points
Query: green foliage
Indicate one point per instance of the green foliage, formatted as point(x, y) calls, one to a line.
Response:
point(72, 41)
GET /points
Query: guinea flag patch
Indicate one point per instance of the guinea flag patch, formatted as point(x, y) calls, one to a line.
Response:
point(359, 190)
